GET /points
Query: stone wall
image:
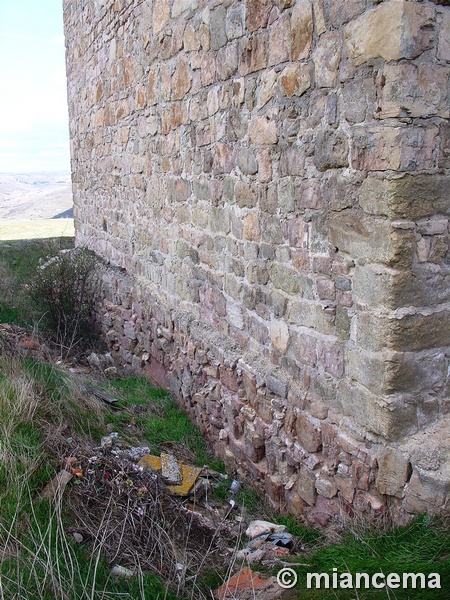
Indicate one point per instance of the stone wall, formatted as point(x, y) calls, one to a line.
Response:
point(269, 182)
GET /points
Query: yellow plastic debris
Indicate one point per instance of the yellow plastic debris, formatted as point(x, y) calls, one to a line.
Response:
point(190, 474)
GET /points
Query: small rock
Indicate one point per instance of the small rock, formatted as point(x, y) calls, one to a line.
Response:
point(138, 452)
point(257, 528)
point(78, 537)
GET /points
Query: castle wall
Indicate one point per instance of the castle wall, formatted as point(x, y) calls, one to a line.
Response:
point(269, 182)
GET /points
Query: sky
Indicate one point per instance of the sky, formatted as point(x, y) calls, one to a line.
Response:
point(34, 129)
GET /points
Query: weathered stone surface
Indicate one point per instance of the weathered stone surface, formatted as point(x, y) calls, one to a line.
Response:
point(161, 14)
point(394, 470)
point(179, 6)
point(280, 41)
point(331, 150)
point(279, 334)
point(407, 333)
point(295, 79)
point(274, 180)
point(217, 26)
point(413, 91)
point(181, 80)
point(257, 13)
point(376, 413)
point(443, 49)
point(326, 58)
point(306, 487)
point(412, 197)
point(301, 29)
point(263, 131)
point(393, 30)
point(308, 432)
point(235, 21)
point(326, 487)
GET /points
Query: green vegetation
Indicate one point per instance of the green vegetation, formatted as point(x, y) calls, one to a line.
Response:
point(421, 547)
point(19, 260)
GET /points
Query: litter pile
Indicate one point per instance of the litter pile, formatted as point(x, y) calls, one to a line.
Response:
point(155, 513)
point(126, 508)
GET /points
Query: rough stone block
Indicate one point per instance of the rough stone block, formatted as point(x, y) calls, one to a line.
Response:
point(279, 41)
point(279, 335)
point(393, 30)
point(311, 315)
point(306, 486)
point(410, 90)
point(372, 239)
point(331, 150)
point(217, 24)
point(408, 333)
point(263, 131)
point(253, 53)
point(308, 432)
point(326, 58)
point(235, 21)
point(407, 197)
point(388, 372)
point(427, 491)
point(295, 79)
point(389, 417)
point(394, 470)
point(180, 6)
point(301, 29)
point(326, 487)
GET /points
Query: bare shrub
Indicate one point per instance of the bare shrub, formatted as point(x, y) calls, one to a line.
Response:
point(64, 289)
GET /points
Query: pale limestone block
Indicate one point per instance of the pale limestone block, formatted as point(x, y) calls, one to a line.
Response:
point(181, 80)
point(393, 30)
point(263, 131)
point(279, 334)
point(413, 91)
point(161, 15)
point(326, 487)
point(179, 6)
point(251, 225)
point(191, 39)
point(234, 315)
point(319, 18)
point(394, 470)
point(267, 88)
point(279, 41)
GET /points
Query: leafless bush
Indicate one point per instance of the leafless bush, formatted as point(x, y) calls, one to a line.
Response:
point(64, 289)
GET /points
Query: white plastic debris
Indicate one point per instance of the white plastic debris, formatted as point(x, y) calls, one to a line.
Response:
point(120, 571)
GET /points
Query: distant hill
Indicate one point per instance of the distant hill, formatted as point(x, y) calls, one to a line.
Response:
point(35, 195)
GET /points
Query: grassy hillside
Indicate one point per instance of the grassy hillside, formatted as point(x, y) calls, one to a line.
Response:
point(31, 229)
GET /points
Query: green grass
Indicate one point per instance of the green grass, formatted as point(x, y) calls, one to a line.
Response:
point(421, 547)
point(38, 559)
point(165, 422)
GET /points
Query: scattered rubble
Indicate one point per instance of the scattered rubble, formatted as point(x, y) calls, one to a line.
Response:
point(247, 585)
